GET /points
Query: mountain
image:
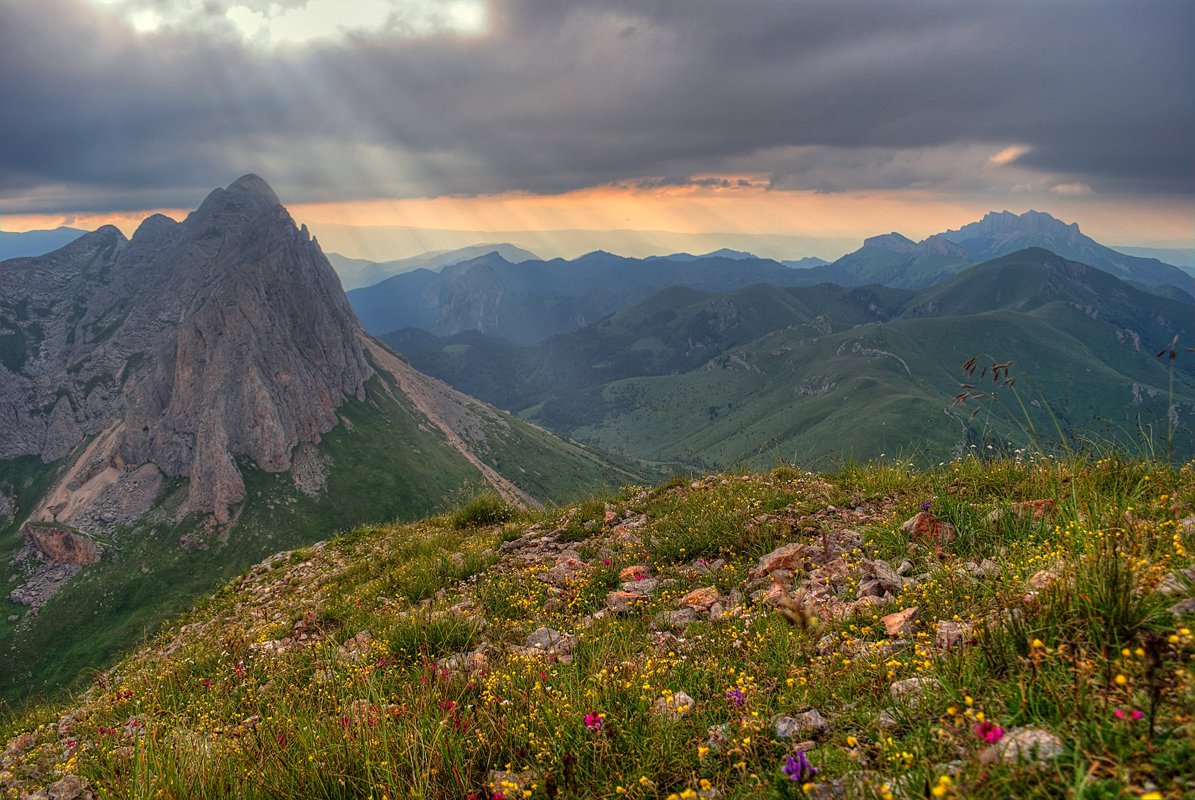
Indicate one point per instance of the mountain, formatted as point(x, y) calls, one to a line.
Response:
point(808, 262)
point(530, 301)
point(182, 402)
point(1183, 258)
point(35, 243)
point(895, 260)
point(1001, 233)
point(824, 373)
point(357, 272)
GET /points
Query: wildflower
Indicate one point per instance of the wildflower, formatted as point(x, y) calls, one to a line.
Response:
point(925, 505)
point(1121, 680)
point(989, 731)
point(736, 696)
point(594, 721)
point(797, 767)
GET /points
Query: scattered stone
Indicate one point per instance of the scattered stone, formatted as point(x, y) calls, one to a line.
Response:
point(1024, 744)
point(717, 738)
point(1183, 607)
point(673, 706)
point(807, 724)
point(677, 618)
point(912, 691)
point(72, 787)
point(925, 526)
point(1042, 579)
point(567, 564)
point(642, 586)
point(905, 568)
point(787, 558)
point(702, 599)
point(551, 641)
point(635, 573)
point(887, 720)
point(879, 579)
point(13, 617)
point(903, 622)
point(1174, 583)
point(703, 567)
point(623, 602)
point(983, 569)
point(950, 635)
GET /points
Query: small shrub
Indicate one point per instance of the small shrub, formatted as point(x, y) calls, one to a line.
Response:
point(480, 511)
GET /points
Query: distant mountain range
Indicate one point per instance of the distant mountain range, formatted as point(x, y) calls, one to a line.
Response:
point(532, 300)
point(825, 373)
point(35, 243)
point(356, 272)
point(176, 406)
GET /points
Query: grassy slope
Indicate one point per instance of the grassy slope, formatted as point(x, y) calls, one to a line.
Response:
point(386, 464)
point(758, 407)
point(204, 711)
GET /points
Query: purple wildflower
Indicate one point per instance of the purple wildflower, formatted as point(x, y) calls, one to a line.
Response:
point(925, 506)
point(736, 696)
point(798, 768)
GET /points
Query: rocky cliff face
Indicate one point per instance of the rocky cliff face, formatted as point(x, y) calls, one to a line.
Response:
point(174, 353)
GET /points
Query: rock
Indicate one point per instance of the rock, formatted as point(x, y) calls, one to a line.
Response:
point(1183, 607)
point(1042, 579)
point(623, 602)
point(702, 599)
point(1174, 583)
point(72, 787)
point(879, 579)
point(926, 527)
point(1023, 744)
point(677, 618)
point(950, 635)
point(567, 565)
point(60, 545)
point(717, 737)
point(902, 622)
point(551, 641)
point(646, 586)
point(635, 573)
point(787, 558)
point(983, 569)
point(887, 720)
point(912, 691)
point(807, 724)
point(673, 706)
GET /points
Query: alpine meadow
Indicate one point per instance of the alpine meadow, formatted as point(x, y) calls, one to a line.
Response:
point(524, 400)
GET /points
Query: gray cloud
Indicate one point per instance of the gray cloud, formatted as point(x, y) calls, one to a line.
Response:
point(822, 95)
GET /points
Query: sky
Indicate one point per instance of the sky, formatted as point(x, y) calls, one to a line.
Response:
point(793, 128)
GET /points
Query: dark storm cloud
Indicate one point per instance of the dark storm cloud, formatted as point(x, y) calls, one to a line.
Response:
point(560, 95)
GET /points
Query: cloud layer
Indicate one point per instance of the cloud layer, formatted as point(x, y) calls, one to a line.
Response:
point(1091, 97)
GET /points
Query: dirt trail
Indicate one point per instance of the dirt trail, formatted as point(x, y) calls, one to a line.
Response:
point(443, 406)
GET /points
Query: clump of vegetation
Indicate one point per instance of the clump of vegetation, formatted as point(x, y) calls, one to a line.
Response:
point(1028, 633)
point(480, 510)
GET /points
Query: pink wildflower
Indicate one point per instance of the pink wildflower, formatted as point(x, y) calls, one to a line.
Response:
point(594, 721)
point(990, 732)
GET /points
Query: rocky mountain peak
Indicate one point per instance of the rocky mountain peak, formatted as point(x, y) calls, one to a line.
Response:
point(245, 198)
point(1005, 223)
point(225, 337)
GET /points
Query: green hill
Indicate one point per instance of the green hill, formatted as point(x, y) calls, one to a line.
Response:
point(825, 373)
